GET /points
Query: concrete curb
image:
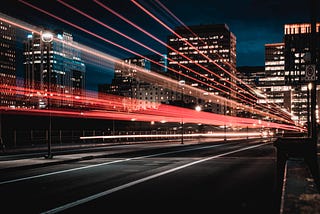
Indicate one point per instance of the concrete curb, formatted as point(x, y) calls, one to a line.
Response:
point(43, 162)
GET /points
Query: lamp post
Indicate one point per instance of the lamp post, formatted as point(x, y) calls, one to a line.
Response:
point(1, 140)
point(198, 109)
point(47, 38)
point(182, 83)
point(308, 109)
point(313, 50)
point(313, 163)
point(225, 125)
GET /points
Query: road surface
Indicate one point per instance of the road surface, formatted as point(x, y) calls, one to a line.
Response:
point(219, 177)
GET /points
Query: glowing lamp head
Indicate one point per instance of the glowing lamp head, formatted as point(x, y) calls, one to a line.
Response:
point(198, 108)
point(47, 37)
point(182, 82)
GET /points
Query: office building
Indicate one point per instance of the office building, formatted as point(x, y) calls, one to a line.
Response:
point(297, 39)
point(55, 64)
point(273, 83)
point(204, 52)
point(8, 66)
point(285, 82)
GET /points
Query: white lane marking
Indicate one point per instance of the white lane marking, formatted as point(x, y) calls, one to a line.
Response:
point(115, 189)
point(284, 188)
point(106, 163)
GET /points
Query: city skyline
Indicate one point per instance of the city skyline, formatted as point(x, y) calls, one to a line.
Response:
point(124, 41)
point(251, 34)
point(159, 103)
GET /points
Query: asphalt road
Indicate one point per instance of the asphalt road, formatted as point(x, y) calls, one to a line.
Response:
point(201, 178)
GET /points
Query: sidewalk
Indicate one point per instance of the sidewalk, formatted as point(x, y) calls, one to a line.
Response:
point(94, 150)
point(299, 195)
point(102, 150)
point(42, 161)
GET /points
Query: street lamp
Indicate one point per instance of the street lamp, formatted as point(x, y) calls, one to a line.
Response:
point(182, 83)
point(47, 38)
point(225, 125)
point(1, 140)
point(309, 88)
point(198, 108)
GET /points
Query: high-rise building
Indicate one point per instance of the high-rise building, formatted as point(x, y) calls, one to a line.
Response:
point(273, 82)
point(203, 52)
point(297, 39)
point(285, 81)
point(274, 64)
point(53, 63)
point(7, 63)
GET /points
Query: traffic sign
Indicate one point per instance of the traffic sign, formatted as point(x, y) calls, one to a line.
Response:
point(310, 73)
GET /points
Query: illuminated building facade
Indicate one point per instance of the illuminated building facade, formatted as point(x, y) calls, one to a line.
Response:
point(58, 58)
point(273, 81)
point(297, 39)
point(7, 62)
point(285, 82)
point(218, 44)
point(127, 83)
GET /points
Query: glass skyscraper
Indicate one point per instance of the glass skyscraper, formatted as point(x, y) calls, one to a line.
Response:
point(57, 63)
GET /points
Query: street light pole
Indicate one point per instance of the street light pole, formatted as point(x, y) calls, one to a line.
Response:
point(313, 50)
point(308, 109)
point(314, 167)
point(225, 125)
point(1, 140)
point(182, 83)
point(47, 38)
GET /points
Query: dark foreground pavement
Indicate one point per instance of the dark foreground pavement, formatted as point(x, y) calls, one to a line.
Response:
point(299, 192)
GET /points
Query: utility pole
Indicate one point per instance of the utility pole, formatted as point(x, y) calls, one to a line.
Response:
point(47, 38)
point(313, 157)
point(313, 50)
point(182, 83)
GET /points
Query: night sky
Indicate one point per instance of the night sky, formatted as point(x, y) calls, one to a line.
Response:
point(254, 23)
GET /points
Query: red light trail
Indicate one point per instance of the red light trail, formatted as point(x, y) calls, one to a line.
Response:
point(153, 76)
point(188, 43)
point(137, 54)
point(205, 56)
point(116, 107)
point(176, 51)
point(161, 113)
point(119, 46)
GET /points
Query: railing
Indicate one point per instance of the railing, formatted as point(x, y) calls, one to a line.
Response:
point(20, 138)
point(35, 137)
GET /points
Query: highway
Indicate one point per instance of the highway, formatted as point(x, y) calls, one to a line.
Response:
point(217, 177)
